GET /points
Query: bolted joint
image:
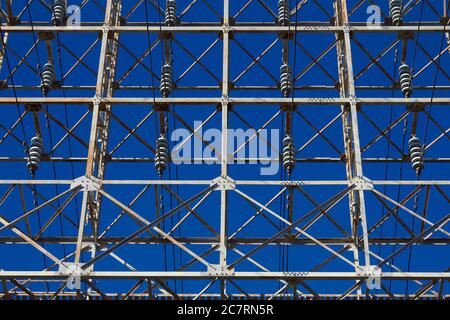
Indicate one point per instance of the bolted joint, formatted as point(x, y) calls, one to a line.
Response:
point(369, 271)
point(362, 183)
point(74, 269)
point(87, 183)
point(225, 99)
point(106, 28)
point(219, 271)
point(353, 99)
point(347, 28)
point(223, 183)
point(226, 29)
point(97, 100)
point(71, 269)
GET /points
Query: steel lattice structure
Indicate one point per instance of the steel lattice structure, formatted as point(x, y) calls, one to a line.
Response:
point(105, 215)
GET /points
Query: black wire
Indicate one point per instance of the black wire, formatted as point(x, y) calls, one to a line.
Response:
point(19, 112)
point(436, 76)
point(281, 206)
point(416, 200)
point(418, 34)
point(297, 9)
point(69, 138)
point(180, 252)
point(404, 133)
point(36, 48)
point(150, 52)
point(405, 128)
point(55, 177)
point(160, 32)
point(283, 251)
point(171, 226)
point(34, 191)
point(161, 204)
point(180, 256)
point(295, 54)
point(388, 147)
point(163, 59)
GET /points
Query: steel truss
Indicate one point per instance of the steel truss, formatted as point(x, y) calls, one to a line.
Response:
point(221, 260)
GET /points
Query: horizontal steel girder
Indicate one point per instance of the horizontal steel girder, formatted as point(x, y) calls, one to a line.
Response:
point(321, 28)
point(236, 275)
point(245, 101)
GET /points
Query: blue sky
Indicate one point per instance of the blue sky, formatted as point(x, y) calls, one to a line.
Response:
point(301, 258)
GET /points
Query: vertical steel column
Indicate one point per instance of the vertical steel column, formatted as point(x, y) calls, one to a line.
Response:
point(224, 151)
point(355, 153)
point(98, 140)
point(107, 89)
point(346, 132)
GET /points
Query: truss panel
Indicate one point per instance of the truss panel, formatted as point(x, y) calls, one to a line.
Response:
point(97, 211)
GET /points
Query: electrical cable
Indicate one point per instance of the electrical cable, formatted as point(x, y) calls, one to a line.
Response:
point(405, 123)
point(388, 147)
point(416, 200)
point(33, 187)
point(48, 126)
point(161, 198)
point(163, 61)
point(291, 125)
point(433, 92)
